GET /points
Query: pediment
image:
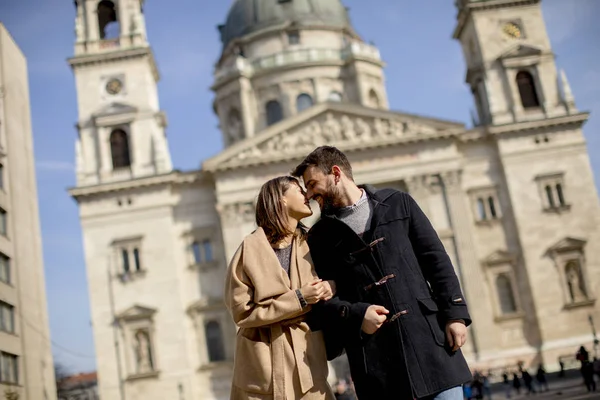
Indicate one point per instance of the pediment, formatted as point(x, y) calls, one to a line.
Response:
point(520, 51)
point(349, 127)
point(136, 312)
point(567, 244)
point(115, 109)
point(499, 257)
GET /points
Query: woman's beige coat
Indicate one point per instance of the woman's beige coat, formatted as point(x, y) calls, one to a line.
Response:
point(277, 356)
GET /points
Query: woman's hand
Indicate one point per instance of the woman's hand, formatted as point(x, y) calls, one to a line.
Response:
point(330, 289)
point(313, 292)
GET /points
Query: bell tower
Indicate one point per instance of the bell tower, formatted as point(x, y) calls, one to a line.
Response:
point(511, 68)
point(121, 127)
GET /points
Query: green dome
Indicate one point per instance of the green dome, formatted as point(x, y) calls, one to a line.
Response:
point(247, 16)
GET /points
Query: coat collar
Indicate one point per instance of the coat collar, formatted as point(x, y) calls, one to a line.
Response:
point(258, 242)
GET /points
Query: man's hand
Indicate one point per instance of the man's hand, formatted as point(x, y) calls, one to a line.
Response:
point(374, 318)
point(456, 333)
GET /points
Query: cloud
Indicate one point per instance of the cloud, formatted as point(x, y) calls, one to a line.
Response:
point(57, 166)
point(564, 17)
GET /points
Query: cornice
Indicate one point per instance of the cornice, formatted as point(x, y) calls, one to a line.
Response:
point(173, 178)
point(481, 5)
point(117, 55)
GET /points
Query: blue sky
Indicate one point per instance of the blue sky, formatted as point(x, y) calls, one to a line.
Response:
point(425, 74)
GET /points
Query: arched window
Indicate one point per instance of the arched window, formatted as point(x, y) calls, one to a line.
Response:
point(107, 20)
point(119, 149)
point(481, 211)
point(508, 305)
point(526, 84)
point(303, 102)
point(561, 195)
point(235, 128)
point(335, 96)
point(373, 99)
point(196, 252)
point(214, 341)
point(550, 196)
point(274, 112)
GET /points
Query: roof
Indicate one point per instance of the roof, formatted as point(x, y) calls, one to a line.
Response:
point(249, 16)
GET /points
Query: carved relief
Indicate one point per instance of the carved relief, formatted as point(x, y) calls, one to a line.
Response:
point(331, 129)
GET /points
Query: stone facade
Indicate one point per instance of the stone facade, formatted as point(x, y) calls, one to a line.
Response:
point(512, 199)
point(26, 365)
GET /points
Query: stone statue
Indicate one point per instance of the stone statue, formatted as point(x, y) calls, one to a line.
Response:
point(575, 284)
point(143, 356)
point(234, 128)
point(79, 29)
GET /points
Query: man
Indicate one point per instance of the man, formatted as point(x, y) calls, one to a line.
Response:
point(399, 312)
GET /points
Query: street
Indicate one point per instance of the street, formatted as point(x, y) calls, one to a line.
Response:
point(571, 388)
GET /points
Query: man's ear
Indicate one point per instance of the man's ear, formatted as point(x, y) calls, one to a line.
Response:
point(337, 173)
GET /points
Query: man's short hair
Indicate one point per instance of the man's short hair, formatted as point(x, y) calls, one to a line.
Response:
point(324, 158)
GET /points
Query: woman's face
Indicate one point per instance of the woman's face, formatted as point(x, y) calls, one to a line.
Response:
point(296, 203)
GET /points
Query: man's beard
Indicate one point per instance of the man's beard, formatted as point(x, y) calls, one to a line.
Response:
point(330, 199)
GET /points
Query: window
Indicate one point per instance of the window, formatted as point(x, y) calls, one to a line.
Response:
point(202, 251)
point(274, 112)
point(1, 176)
point(207, 247)
point(214, 341)
point(485, 204)
point(129, 257)
point(9, 368)
point(506, 296)
point(303, 102)
point(335, 97)
point(3, 222)
point(107, 20)
point(196, 252)
point(5, 269)
point(526, 84)
point(235, 128)
point(119, 149)
point(552, 192)
point(293, 37)
point(7, 317)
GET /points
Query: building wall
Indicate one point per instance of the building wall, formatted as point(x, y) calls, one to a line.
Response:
point(22, 243)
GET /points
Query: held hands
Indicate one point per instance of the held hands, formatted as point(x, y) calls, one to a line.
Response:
point(456, 333)
point(318, 290)
point(374, 319)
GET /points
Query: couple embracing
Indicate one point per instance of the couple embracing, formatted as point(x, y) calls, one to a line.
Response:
point(370, 278)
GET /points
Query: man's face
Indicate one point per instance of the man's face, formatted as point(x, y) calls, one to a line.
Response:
point(321, 188)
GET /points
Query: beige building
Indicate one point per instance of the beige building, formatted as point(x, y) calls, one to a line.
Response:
point(512, 198)
point(25, 354)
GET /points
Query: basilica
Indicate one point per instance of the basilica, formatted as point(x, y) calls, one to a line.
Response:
point(512, 198)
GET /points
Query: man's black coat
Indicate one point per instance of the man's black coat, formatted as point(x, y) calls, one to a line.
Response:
point(399, 263)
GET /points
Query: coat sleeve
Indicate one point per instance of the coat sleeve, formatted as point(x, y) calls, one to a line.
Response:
point(436, 265)
point(248, 312)
point(340, 320)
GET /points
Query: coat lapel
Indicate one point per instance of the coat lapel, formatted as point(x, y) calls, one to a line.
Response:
point(267, 260)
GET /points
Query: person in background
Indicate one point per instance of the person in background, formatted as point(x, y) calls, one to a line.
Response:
point(270, 287)
point(528, 379)
point(516, 383)
point(540, 376)
point(487, 390)
point(343, 391)
point(506, 384)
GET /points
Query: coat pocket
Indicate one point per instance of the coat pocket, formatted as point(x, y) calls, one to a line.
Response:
point(430, 311)
point(253, 370)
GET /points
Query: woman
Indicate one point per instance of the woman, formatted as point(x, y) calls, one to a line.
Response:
point(271, 285)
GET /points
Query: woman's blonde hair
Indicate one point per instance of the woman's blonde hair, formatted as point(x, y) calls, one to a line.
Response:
point(271, 214)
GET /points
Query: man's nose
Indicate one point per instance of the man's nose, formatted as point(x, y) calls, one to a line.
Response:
point(309, 194)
